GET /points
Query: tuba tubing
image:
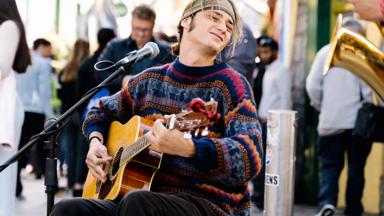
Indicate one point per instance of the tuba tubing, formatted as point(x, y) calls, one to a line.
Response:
point(355, 53)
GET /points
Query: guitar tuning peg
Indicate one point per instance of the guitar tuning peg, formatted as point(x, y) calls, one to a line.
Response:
point(205, 132)
point(188, 135)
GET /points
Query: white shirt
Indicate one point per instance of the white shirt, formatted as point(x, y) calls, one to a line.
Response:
point(338, 95)
point(277, 86)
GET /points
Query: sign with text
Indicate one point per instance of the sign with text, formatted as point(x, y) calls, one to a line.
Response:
point(272, 179)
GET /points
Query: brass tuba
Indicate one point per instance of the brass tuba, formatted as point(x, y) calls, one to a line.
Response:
point(355, 53)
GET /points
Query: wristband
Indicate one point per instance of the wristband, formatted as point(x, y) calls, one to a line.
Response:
point(94, 137)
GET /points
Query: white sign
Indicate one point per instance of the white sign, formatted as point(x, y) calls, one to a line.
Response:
point(272, 179)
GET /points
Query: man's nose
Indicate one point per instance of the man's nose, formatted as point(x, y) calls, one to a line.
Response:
point(221, 26)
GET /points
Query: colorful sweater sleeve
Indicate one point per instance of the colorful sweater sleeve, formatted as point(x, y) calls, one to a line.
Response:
point(238, 154)
point(117, 107)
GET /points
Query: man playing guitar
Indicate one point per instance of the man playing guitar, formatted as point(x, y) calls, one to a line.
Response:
point(197, 176)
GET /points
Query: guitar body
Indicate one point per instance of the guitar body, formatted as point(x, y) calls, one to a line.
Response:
point(123, 177)
point(133, 165)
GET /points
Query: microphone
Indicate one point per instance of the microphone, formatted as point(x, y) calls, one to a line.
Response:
point(150, 50)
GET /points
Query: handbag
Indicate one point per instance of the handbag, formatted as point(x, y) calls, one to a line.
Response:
point(370, 121)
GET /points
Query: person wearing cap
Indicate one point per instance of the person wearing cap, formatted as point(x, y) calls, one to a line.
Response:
point(200, 175)
point(272, 90)
point(275, 92)
point(338, 97)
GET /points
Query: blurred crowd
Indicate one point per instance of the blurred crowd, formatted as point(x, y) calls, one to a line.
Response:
point(255, 58)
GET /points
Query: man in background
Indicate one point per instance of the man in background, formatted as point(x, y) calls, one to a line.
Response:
point(143, 21)
point(274, 93)
point(338, 97)
point(34, 89)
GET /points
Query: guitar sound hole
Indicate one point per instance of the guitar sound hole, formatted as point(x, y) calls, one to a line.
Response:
point(116, 162)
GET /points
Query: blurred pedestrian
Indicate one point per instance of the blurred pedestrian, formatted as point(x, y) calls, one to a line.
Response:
point(85, 81)
point(70, 139)
point(87, 74)
point(277, 79)
point(34, 88)
point(14, 58)
point(143, 21)
point(338, 97)
point(242, 59)
point(275, 94)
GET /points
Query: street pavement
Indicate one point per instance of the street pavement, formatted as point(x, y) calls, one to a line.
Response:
point(34, 202)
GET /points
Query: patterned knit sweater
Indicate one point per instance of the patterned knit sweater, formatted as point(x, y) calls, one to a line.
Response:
point(225, 160)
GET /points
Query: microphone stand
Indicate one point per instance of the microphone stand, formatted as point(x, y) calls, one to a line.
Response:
point(51, 129)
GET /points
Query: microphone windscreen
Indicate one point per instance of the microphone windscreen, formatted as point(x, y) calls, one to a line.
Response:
point(155, 49)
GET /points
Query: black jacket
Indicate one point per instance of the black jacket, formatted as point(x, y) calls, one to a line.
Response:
point(119, 48)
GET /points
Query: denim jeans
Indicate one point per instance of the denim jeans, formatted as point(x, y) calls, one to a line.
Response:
point(331, 150)
point(75, 150)
point(33, 124)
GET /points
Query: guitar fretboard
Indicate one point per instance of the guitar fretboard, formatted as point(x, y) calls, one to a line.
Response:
point(132, 150)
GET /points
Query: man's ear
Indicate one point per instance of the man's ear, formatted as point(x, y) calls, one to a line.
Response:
point(185, 23)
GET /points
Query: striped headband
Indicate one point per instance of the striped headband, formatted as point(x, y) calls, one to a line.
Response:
point(199, 5)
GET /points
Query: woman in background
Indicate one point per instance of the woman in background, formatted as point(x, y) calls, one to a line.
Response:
point(70, 141)
point(14, 58)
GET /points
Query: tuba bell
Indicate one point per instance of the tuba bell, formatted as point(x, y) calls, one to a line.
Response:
point(355, 53)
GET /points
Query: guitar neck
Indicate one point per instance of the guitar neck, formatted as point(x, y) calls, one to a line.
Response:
point(132, 150)
point(135, 148)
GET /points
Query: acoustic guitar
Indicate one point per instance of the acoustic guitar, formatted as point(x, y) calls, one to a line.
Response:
point(133, 165)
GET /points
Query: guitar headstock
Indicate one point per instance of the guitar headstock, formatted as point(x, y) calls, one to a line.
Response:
point(196, 119)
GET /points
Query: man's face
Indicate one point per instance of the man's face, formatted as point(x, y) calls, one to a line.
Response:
point(45, 51)
point(141, 30)
point(266, 54)
point(209, 28)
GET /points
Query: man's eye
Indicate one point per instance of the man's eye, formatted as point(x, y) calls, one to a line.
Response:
point(214, 18)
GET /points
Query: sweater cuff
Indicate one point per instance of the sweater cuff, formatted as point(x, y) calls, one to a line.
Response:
point(93, 126)
point(206, 156)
